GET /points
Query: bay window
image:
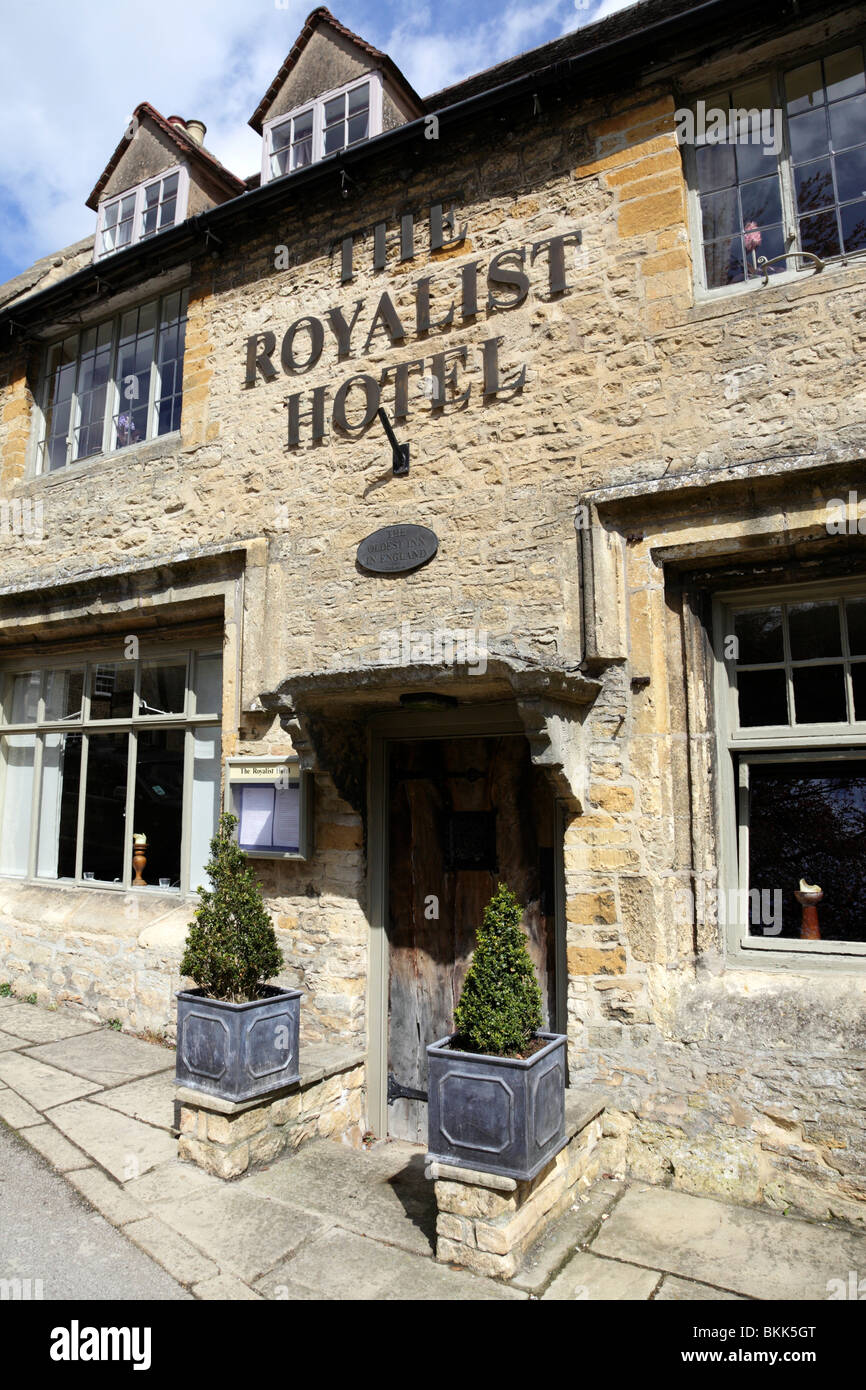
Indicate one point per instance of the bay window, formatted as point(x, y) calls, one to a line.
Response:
point(777, 167)
point(101, 756)
point(114, 384)
point(793, 701)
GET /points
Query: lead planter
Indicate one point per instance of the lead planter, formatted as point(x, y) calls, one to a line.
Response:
point(238, 1051)
point(503, 1115)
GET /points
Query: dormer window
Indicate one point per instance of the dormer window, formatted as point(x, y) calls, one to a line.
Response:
point(140, 213)
point(334, 121)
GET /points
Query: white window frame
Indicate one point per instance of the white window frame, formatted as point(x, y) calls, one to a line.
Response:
point(775, 75)
point(140, 192)
point(189, 720)
point(374, 78)
point(740, 748)
point(114, 402)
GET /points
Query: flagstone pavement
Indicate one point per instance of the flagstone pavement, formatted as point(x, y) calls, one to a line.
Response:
point(329, 1222)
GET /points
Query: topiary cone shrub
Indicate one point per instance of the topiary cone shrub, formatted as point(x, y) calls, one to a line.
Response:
point(231, 948)
point(499, 1011)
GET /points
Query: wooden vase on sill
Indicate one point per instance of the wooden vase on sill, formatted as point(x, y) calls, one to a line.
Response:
point(809, 897)
point(139, 860)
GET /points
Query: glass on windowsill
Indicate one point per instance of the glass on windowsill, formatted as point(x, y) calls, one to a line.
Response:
point(165, 883)
point(88, 877)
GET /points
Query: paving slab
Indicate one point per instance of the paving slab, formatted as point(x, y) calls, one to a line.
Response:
point(42, 1086)
point(60, 1153)
point(243, 1233)
point(8, 1042)
point(106, 1057)
point(567, 1235)
point(151, 1099)
point(43, 1025)
point(340, 1264)
point(745, 1251)
point(587, 1278)
point(125, 1147)
point(16, 1112)
point(173, 1181)
point(182, 1261)
point(108, 1197)
point(675, 1290)
point(381, 1192)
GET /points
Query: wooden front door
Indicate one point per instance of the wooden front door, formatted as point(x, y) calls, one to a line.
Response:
point(464, 815)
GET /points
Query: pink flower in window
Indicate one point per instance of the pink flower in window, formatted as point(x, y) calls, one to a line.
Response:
point(752, 237)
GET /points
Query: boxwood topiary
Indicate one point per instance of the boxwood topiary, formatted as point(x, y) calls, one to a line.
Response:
point(231, 948)
point(500, 1006)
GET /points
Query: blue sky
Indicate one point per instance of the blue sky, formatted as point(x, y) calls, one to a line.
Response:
point(71, 74)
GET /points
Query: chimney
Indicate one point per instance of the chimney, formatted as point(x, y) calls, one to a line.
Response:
point(178, 121)
point(196, 130)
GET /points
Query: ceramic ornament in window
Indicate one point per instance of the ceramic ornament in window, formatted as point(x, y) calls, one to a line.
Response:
point(139, 859)
point(809, 897)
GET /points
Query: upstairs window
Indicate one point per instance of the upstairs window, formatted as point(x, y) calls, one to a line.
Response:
point(335, 121)
point(778, 167)
point(116, 384)
point(140, 213)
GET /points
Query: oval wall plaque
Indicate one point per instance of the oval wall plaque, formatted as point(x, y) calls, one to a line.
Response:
point(396, 549)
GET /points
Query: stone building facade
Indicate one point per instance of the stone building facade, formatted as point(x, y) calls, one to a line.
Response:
point(629, 446)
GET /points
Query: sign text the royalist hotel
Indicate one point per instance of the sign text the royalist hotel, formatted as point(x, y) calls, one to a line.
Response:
point(501, 284)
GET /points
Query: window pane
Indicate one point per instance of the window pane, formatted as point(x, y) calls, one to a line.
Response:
point(820, 235)
point(858, 683)
point(755, 158)
point(759, 636)
point(159, 803)
point(358, 128)
point(335, 110)
point(819, 694)
point(814, 185)
point(724, 262)
point(809, 136)
point(853, 217)
point(18, 755)
point(762, 698)
point(814, 630)
point(764, 241)
point(848, 122)
point(209, 684)
point(105, 807)
point(359, 98)
point(851, 173)
point(207, 758)
point(808, 821)
point(58, 811)
point(163, 688)
point(720, 214)
point(335, 138)
point(844, 74)
point(761, 202)
point(63, 694)
point(21, 697)
point(717, 167)
point(804, 88)
point(855, 616)
point(302, 153)
point(111, 686)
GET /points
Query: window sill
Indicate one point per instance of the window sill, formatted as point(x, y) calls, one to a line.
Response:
point(707, 302)
point(825, 952)
point(145, 451)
